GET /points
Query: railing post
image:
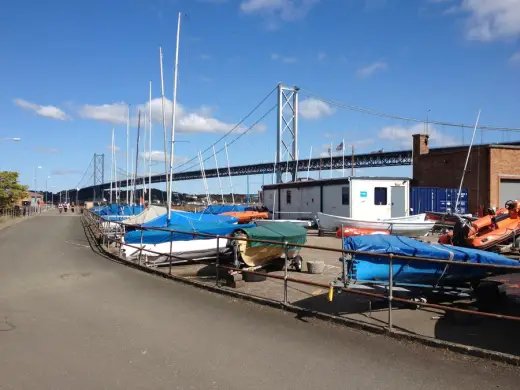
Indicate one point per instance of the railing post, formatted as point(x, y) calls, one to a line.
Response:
point(344, 276)
point(390, 290)
point(217, 266)
point(286, 252)
point(171, 248)
point(141, 247)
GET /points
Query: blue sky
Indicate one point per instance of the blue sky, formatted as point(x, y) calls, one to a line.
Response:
point(69, 69)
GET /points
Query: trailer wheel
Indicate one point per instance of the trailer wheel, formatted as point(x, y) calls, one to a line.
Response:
point(297, 263)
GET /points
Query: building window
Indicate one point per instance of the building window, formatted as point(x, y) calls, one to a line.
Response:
point(380, 196)
point(288, 197)
point(345, 196)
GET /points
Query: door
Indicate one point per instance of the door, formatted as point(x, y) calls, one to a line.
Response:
point(509, 190)
point(398, 206)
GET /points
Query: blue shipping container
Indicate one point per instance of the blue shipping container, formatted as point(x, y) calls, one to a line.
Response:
point(423, 199)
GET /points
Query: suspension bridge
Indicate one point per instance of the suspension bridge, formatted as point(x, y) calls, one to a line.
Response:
point(287, 152)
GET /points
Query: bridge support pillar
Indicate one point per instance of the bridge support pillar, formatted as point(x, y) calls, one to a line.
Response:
point(287, 134)
point(99, 173)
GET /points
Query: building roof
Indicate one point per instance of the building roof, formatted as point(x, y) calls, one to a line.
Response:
point(328, 182)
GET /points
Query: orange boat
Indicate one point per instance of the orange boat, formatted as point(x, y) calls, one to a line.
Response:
point(350, 231)
point(488, 231)
point(247, 216)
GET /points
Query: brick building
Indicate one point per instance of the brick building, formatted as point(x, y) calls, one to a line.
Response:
point(492, 176)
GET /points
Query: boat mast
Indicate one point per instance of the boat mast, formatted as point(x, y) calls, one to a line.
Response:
point(131, 174)
point(218, 175)
point(137, 152)
point(144, 157)
point(175, 78)
point(309, 164)
point(127, 155)
point(150, 147)
point(112, 166)
point(229, 174)
point(203, 173)
point(115, 172)
point(164, 129)
point(466, 163)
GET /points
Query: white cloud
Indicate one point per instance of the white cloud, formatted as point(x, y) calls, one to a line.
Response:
point(321, 56)
point(369, 69)
point(115, 113)
point(402, 135)
point(515, 58)
point(46, 111)
point(40, 149)
point(314, 109)
point(287, 10)
point(158, 155)
point(284, 59)
point(205, 57)
point(187, 121)
point(489, 20)
point(115, 148)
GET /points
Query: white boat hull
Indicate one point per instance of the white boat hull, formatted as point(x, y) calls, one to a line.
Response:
point(405, 226)
point(181, 250)
point(299, 222)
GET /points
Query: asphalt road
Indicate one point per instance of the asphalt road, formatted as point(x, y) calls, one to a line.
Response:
point(71, 319)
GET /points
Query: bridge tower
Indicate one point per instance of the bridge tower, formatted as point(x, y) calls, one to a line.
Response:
point(99, 172)
point(287, 134)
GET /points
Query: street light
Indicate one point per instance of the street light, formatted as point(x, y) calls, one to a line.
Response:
point(46, 188)
point(10, 139)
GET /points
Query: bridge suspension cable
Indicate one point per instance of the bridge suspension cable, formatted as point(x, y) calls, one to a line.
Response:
point(232, 129)
point(382, 114)
point(84, 174)
point(234, 139)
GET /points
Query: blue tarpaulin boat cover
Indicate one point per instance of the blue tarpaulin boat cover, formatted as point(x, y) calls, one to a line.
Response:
point(183, 217)
point(159, 236)
point(226, 208)
point(115, 209)
point(367, 267)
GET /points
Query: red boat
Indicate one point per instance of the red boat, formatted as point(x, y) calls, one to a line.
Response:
point(350, 231)
point(486, 232)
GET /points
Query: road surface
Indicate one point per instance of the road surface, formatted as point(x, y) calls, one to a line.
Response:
point(72, 319)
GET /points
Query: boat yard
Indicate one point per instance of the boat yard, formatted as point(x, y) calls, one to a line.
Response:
point(311, 291)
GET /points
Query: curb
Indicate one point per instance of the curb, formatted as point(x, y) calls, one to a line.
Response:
point(348, 322)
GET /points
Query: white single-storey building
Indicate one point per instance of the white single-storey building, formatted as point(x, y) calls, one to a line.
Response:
point(355, 197)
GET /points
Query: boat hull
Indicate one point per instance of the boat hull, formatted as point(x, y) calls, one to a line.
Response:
point(181, 250)
point(368, 267)
point(405, 226)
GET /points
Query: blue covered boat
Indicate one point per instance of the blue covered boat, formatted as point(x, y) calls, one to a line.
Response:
point(116, 209)
point(184, 217)
point(409, 272)
point(183, 244)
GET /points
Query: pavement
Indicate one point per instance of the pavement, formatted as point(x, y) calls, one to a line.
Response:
point(71, 318)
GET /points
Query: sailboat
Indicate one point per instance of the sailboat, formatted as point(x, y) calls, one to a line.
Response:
point(177, 238)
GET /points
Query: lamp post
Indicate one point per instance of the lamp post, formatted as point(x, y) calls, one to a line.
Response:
point(52, 196)
point(46, 188)
point(16, 139)
point(36, 184)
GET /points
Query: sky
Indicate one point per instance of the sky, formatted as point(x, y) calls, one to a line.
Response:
point(69, 71)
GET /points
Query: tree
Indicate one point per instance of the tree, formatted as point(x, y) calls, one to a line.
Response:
point(10, 190)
